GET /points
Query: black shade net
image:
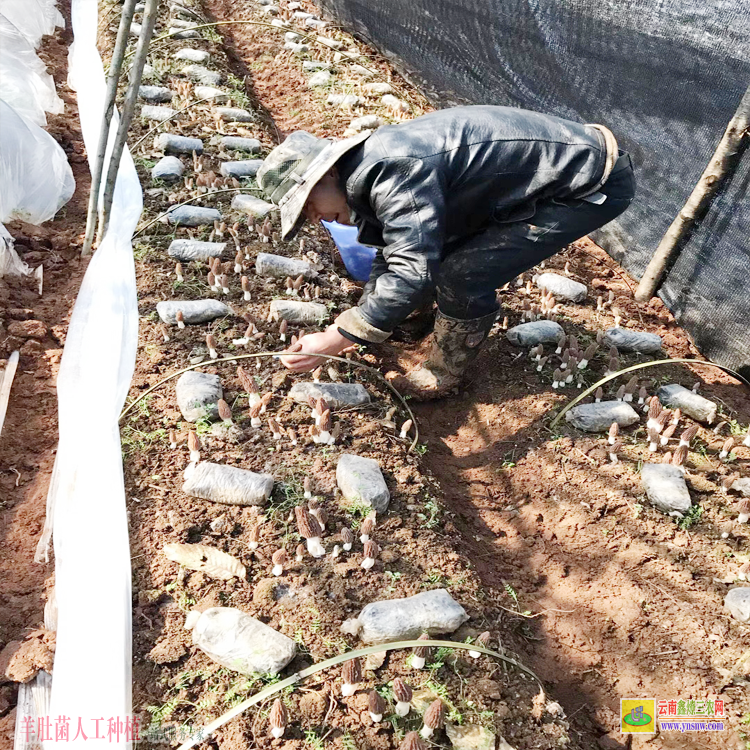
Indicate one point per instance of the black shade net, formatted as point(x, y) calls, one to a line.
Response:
point(665, 76)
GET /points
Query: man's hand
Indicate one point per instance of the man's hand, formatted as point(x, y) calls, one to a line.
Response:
point(329, 341)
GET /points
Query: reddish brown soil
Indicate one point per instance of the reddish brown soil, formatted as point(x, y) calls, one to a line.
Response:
point(29, 438)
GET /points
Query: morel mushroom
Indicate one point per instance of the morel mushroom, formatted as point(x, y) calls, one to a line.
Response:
point(598, 395)
point(180, 319)
point(225, 413)
point(309, 528)
point(278, 719)
point(654, 410)
point(402, 692)
point(614, 431)
point(326, 422)
point(317, 372)
point(663, 420)
point(620, 395)
point(278, 558)
point(307, 487)
point(254, 535)
point(727, 483)
point(482, 640)
point(630, 388)
point(614, 449)
point(238, 258)
point(558, 379)
point(744, 516)
point(412, 741)
point(588, 355)
point(653, 441)
point(300, 553)
point(351, 676)
point(434, 718)
point(642, 395)
point(276, 432)
point(679, 457)
point(283, 328)
point(289, 285)
point(178, 272)
point(265, 400)
point(223, 282)
point(211, 344)
point(292, 435)
point(688, 435)
point(726, 449)
point(245, 282)
point(368, 526)
point(562, 339)
point(172, 439)
point(255, 420)
point(194, 446)
point(719, 427)
point(249, 386)
point(347, 538)
point(420, 653)
point(371, 553)
point(667, 434)
point(375, 706)
point(746, 441)
point(676, 416)
point(211, 281)
point(405, 427)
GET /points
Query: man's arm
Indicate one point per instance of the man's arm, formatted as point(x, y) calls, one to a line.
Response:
point(409, 201)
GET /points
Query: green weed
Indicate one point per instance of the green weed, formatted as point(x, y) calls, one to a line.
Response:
point(691, 517)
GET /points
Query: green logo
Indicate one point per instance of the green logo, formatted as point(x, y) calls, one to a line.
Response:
point(637, 717)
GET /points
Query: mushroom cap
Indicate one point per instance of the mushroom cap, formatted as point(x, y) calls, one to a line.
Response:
point(254, 533)
point(325, 421)
point(434, 716)
point(631, 385)
point(194, 444)
point(406, 426)
point(669, 431)
point(245, 284)
point(401, 690)
point(351, 672)
point(689, 433)
point(422, 651)
point(590, 351)
point(680, 454)
point(308, 525)
point(371, 549)
point(307, 483)
point(283, 326)
point(664, 417)
point(745, 506)
point(347, 535)
point(224, 411)
point(483, 639)
point(729, 481)
point(368, 526)
point(278, 717)
point(279, 557)
point(654, 407)
point(211, 278)
point(255, 409)
point(728, 444)
point(179, 315)
point(375, 702)
point(412, 741)
point(616, 447)
point(210, 341)
point(614, 429)
point(300, 551)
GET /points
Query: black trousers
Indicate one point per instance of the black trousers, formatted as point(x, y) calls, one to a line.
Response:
point(475, 268)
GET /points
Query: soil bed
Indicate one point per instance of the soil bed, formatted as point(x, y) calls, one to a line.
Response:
point(544, 543)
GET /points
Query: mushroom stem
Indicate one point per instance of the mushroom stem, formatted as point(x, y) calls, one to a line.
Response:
point(348, 689)
point(403, 708)
point(315, 547)
point(418, 662)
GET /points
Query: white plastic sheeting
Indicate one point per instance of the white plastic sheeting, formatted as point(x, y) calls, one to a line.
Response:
point(36, 178)
point(33, 18)
point(25, 83)
point(92, 672)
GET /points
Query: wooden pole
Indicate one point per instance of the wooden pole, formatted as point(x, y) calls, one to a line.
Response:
point(722, 164)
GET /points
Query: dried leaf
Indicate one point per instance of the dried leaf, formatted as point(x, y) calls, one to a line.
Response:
point(212, 562)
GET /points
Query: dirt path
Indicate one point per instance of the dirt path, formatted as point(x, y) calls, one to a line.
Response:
point(29, 439)
point(629, 606)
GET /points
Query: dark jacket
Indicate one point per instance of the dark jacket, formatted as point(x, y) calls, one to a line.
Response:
point(416, 186)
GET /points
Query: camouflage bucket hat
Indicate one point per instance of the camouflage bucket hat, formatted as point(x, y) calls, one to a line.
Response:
point(292, 170)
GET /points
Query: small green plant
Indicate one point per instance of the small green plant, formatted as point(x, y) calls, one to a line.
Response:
point(313, 740)
point(691, 517)
point(357, 510)
point(511, 592)
point(159, 714)
point(431, 517)
point(348, 742)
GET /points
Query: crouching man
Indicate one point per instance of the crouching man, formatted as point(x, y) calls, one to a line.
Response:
point(458, 202)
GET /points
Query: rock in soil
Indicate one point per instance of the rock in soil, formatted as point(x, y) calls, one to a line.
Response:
point(202, 75)
point(27, 329)
point(538, 332)
point(187, 250)
point(198, 394)
point(235, 114)
point(241, 643)
point(209, 92)
point(666, 489)
point(562, 287)
point(743, 486)
point(296, 311)
point(336, 395)
point(599, 417)
point(227, 484)
point(279, 267)
point(235, 143)
point(321, 79)
point(157, 114)
point(170, 143)
point(177, 33)
point(430, 612)
point(169, 169)
point(192, 55)
point(737, 602)
point(633, 341)
point(470, 737)
point(252, 206)
point(193, 311)
point(241, 169)
point(156, 94)
point(193, 216)
point(378, 88)
point(361, 480)
point(677, 397)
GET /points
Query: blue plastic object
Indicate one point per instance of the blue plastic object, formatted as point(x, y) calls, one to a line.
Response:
point(357, 258)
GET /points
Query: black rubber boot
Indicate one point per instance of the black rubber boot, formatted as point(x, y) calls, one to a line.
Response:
point(455, 346)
